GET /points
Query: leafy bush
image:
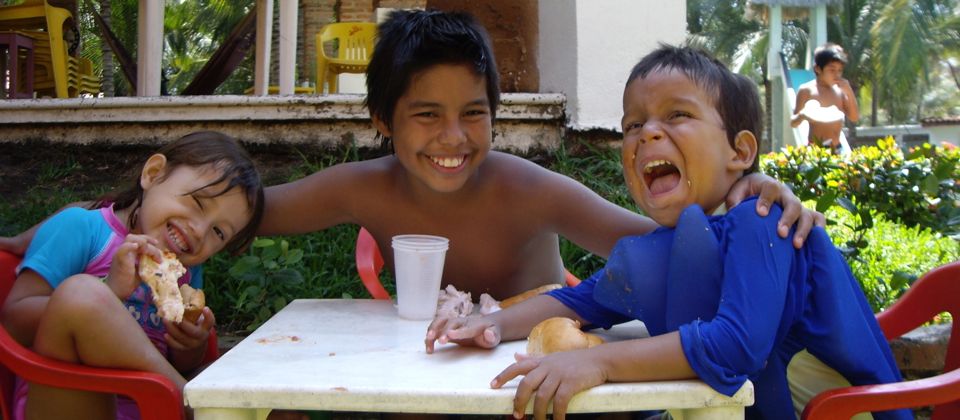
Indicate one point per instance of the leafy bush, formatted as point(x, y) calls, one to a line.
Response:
point(890, 214)
point(896, 257)
point(269, 269)
point(246, 290)
point(919, 189)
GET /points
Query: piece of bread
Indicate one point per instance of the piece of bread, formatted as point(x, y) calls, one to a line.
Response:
point(513, 300)
point(162, 278)
point(193, 302)
point(559, 334)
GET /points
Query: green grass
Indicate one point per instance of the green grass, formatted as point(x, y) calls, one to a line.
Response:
point(51, 172)
point(38, 203)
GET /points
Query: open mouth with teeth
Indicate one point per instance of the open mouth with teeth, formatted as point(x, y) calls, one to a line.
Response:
point(448, 162)
point(660, 176)
point(177, 239)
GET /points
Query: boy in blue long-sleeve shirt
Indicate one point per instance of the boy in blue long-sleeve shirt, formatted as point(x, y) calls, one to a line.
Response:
point(724, 298)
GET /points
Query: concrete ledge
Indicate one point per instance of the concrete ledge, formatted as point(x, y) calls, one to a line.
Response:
point(525, 121)
point(921, 353)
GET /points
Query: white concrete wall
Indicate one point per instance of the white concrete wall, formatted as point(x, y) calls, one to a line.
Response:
point(526, 122)
point(587, 48)
point(558, 48)
point(867, 136)
point(944, 133)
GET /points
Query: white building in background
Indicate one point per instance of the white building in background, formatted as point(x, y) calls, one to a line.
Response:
point(587, 48)
point(942, 130)
point(930, 130)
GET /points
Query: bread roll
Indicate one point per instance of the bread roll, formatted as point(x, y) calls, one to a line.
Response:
point(162, 279)
point(513, 300)
point(559, 334)
point(193, 302)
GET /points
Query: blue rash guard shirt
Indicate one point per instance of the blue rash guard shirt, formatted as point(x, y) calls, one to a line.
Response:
point(744, 301)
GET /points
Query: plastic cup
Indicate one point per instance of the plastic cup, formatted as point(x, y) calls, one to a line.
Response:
point(418, 264)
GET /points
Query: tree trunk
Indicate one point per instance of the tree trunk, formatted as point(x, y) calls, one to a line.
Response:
point(226, 58)
point(873, 104)
point(275, 47)
point(107, 67)
point(953, 72)
point(301, 76)
point(766, 141)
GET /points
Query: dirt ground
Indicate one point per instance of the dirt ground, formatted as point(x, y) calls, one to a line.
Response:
point(32, 168)
point(27, 167)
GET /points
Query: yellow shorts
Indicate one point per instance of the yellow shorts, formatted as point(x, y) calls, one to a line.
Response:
point(808, 376)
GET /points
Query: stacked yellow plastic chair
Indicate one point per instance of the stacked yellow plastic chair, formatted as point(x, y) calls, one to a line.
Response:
point(86, 81)
point(353, 44)
point(56, 72)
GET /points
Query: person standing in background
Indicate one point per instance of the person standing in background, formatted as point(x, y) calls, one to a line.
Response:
point(828, 100)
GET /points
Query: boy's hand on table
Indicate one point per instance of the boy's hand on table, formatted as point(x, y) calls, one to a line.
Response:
point(770, 191)
point(557, 377)
point(468, 331)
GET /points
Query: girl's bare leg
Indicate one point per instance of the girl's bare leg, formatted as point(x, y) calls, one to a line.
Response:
point(85, 323)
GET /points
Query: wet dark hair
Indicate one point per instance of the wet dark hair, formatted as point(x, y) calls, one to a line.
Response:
point(199, 149)
point(736, 97)
point(411, 41)
point(828, 53)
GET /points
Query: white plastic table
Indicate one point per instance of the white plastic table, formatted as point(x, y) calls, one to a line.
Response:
point(358, 355)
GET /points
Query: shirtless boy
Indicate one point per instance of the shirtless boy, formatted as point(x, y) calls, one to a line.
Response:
point(433, 91)
point(833, 95)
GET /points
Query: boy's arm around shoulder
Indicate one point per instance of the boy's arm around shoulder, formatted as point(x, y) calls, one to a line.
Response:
point(577, 213)
point(18, 244)
point(323, 199)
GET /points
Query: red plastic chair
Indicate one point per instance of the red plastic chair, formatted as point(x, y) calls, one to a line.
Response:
point(937, 291)
point(156, 395)
point(370, 262)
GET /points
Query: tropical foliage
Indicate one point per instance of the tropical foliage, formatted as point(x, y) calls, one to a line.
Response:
point(902, 53)
point(893, 215)
point(897, 254)
point(193, 30)
point(890, 43)
point(919, 188)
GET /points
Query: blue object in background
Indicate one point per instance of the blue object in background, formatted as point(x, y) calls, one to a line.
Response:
point(799, 77)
